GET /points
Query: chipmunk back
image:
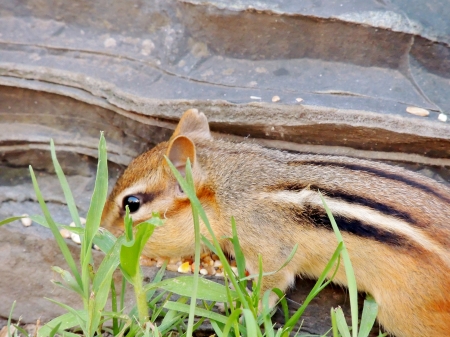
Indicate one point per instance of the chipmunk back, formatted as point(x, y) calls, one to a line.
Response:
point(395, 223)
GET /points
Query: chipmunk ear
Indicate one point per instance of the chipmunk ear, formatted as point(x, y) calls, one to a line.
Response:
point(194, 125)
point(180, 149)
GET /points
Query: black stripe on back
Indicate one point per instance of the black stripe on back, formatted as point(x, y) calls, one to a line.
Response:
point(378, 172)
point(318, 217)
point(358, 200)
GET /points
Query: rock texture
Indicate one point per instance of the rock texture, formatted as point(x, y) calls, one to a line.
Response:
point(344, 74)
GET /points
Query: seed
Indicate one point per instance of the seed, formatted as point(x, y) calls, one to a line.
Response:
point(26, 221)
point(160, 261)
point(189, 259)
point(215, 257)
point(96, 247)
point(442, 117)
point(211, 270)
point(65, 233)
point(235, 270)
point(172, 267)
point(417, 111)
point(4, 331)
point(299, 100)
point(75, 238)
point(174, 260)
point(146, 261)
point(217, 264)
point(275, 99)
point(203, 271)
point(184, 268)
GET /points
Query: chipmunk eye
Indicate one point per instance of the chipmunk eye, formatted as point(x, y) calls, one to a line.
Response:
point(132, 202)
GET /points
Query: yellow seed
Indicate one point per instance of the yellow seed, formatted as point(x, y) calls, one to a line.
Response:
point(184, 268)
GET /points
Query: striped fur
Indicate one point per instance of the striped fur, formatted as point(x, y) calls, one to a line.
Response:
point(395, 223)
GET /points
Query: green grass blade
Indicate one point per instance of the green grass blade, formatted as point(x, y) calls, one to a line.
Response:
point(342, 323)
point(65, 186)
point(319, 285)
point(190, 181)
point(351, 281)
point(8, 324)
point(102, 281)
point(190, 192)
point(217, 328)
point(230, 322)
point(99, 195)
point(11, 219)
point(59, 239)
point(268, 325)
point(54, 330)
point(251, 325)
point(238, 254)
point(334, 323)
point(39, 219)
point(368, 317)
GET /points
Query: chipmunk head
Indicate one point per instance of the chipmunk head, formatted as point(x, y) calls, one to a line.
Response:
point(148, 185)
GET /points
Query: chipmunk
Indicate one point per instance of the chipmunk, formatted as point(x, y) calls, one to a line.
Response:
point(395, 223)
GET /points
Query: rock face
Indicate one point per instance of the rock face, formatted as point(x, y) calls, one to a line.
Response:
point(315, 76)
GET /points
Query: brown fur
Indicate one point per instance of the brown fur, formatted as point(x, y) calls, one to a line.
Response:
point(395, 223)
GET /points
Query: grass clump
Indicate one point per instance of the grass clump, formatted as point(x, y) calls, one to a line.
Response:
point(155, 313)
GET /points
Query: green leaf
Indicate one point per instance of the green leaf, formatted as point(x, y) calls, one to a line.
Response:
point(59, 239)
point(69, 280)
point(198, 311)
point(80, 316)
point(66, 321)
point(102, 281)
point(184, 285)
point(104, 240)
point(129, 255)
point(98, 200)
point(128, 225)
point(368, 317)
